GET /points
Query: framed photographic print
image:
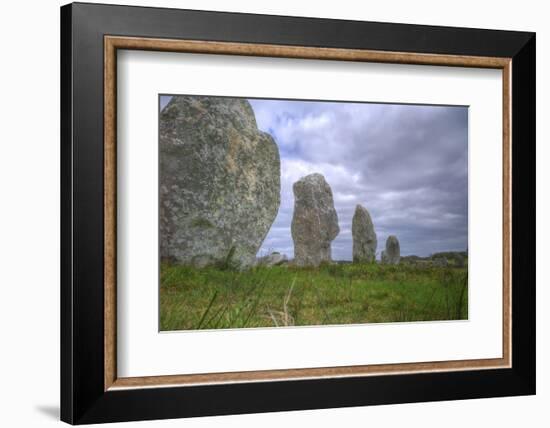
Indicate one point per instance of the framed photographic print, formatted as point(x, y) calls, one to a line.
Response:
point(265, 213)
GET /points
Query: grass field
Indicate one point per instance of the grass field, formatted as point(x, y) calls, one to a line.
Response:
point(214, 298)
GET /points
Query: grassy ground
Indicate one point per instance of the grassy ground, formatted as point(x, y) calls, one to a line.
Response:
point(213, 298)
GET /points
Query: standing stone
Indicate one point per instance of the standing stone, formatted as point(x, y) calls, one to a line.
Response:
point(392, 254)
point(219, 181)
point(315, 222)
point(364, 236)
point(273, 259)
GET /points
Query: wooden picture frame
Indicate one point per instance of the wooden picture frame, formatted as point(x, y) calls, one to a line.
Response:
point(91, 390)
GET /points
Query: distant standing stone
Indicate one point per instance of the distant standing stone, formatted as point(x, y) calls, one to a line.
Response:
point(273, 259)
point(392, 254)
point(219, 182)
point(364, 236)
point(315, 222)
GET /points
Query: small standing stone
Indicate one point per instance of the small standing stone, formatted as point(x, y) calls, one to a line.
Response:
point(273, 259)
point(364, 236)
point(392, 254)
point(315, 222)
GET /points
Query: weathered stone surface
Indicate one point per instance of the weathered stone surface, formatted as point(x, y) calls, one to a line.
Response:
point(219, 181)
point(315, 222)
point(364, 236)
point(392, 254)
point(273, 259)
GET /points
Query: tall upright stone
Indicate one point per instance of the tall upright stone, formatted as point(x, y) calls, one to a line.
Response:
point(364, 236)
point(392, 254)
point(315, 222)
point(219, 181)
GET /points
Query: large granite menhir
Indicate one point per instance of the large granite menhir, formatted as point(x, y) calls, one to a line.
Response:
point(364, 236)
point(315, 222)
point(219, 181)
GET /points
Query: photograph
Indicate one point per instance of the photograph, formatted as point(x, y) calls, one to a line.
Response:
point(263, 211)
point(281, 213)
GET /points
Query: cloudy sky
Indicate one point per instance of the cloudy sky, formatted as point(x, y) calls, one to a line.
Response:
point(407, 164)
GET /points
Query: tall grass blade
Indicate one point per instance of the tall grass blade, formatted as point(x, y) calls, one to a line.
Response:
point(207, 310)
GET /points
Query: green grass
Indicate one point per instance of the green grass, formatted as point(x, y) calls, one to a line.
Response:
point(213, 298)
